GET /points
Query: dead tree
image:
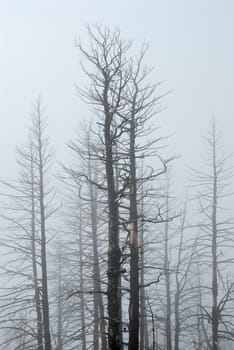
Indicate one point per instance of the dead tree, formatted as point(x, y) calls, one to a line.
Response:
point(166, 270)
point(184, 276)
point(142, 103)
point(144, 335)
point(124, 102)
point(83, 154)
point(108, 79)
point(60, 301)
point(43, 157)
point(22, 198)
point(98, 298)
point(34, 253)
point(216, 233)
point(27, 211)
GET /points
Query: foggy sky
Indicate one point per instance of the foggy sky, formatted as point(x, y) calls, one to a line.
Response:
point(191, 47)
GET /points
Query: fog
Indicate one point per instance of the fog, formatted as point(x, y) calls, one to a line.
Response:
point(191, 49)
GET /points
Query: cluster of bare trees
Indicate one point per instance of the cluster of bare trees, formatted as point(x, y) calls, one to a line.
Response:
point(26, 303)
point(127, 266)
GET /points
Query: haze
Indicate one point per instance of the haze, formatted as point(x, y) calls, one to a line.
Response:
point(191, 48)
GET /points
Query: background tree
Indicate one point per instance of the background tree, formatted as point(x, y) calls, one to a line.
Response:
point(28, 206)
point(216, 237)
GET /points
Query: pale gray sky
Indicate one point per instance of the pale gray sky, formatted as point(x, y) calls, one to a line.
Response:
point(192, 48)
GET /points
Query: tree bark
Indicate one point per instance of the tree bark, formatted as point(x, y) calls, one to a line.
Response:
point(215, 311)
point(60, 302)
point(45, 301)
point(34, 261)
point(81, 276)
point(167, 278)
point(98, 300)
point(134, 247)
point(114, 253)
point(144, 341)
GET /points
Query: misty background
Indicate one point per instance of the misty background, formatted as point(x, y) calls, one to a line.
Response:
point(97, 201)
point(191, 48)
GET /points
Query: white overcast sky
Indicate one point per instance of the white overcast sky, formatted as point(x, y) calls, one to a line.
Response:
point(191, 47)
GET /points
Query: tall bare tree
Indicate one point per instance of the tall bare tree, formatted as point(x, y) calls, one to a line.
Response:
point(28, 209)
point(43, 156)
point(124, 101)
point(216, 235)
point(108, 79)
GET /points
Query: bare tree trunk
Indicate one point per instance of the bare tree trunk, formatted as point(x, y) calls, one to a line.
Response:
point(81, 276)
point(215, 316)
point(60, 302)
point(117, 182)
point(143, 321)
point(199, 319)
point(153, 326)
point(144, 336)
point(114, 253)
point(178, 286)
point(34, 261)
point(99, 315)
point(177, 321)
point(96, 272)
point(97, 275)
point(96, 320)
point(167, 278)
point(134, 253)
point(45, 301)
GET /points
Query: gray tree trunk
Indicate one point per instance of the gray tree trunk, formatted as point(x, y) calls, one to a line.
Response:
point(34, 261)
